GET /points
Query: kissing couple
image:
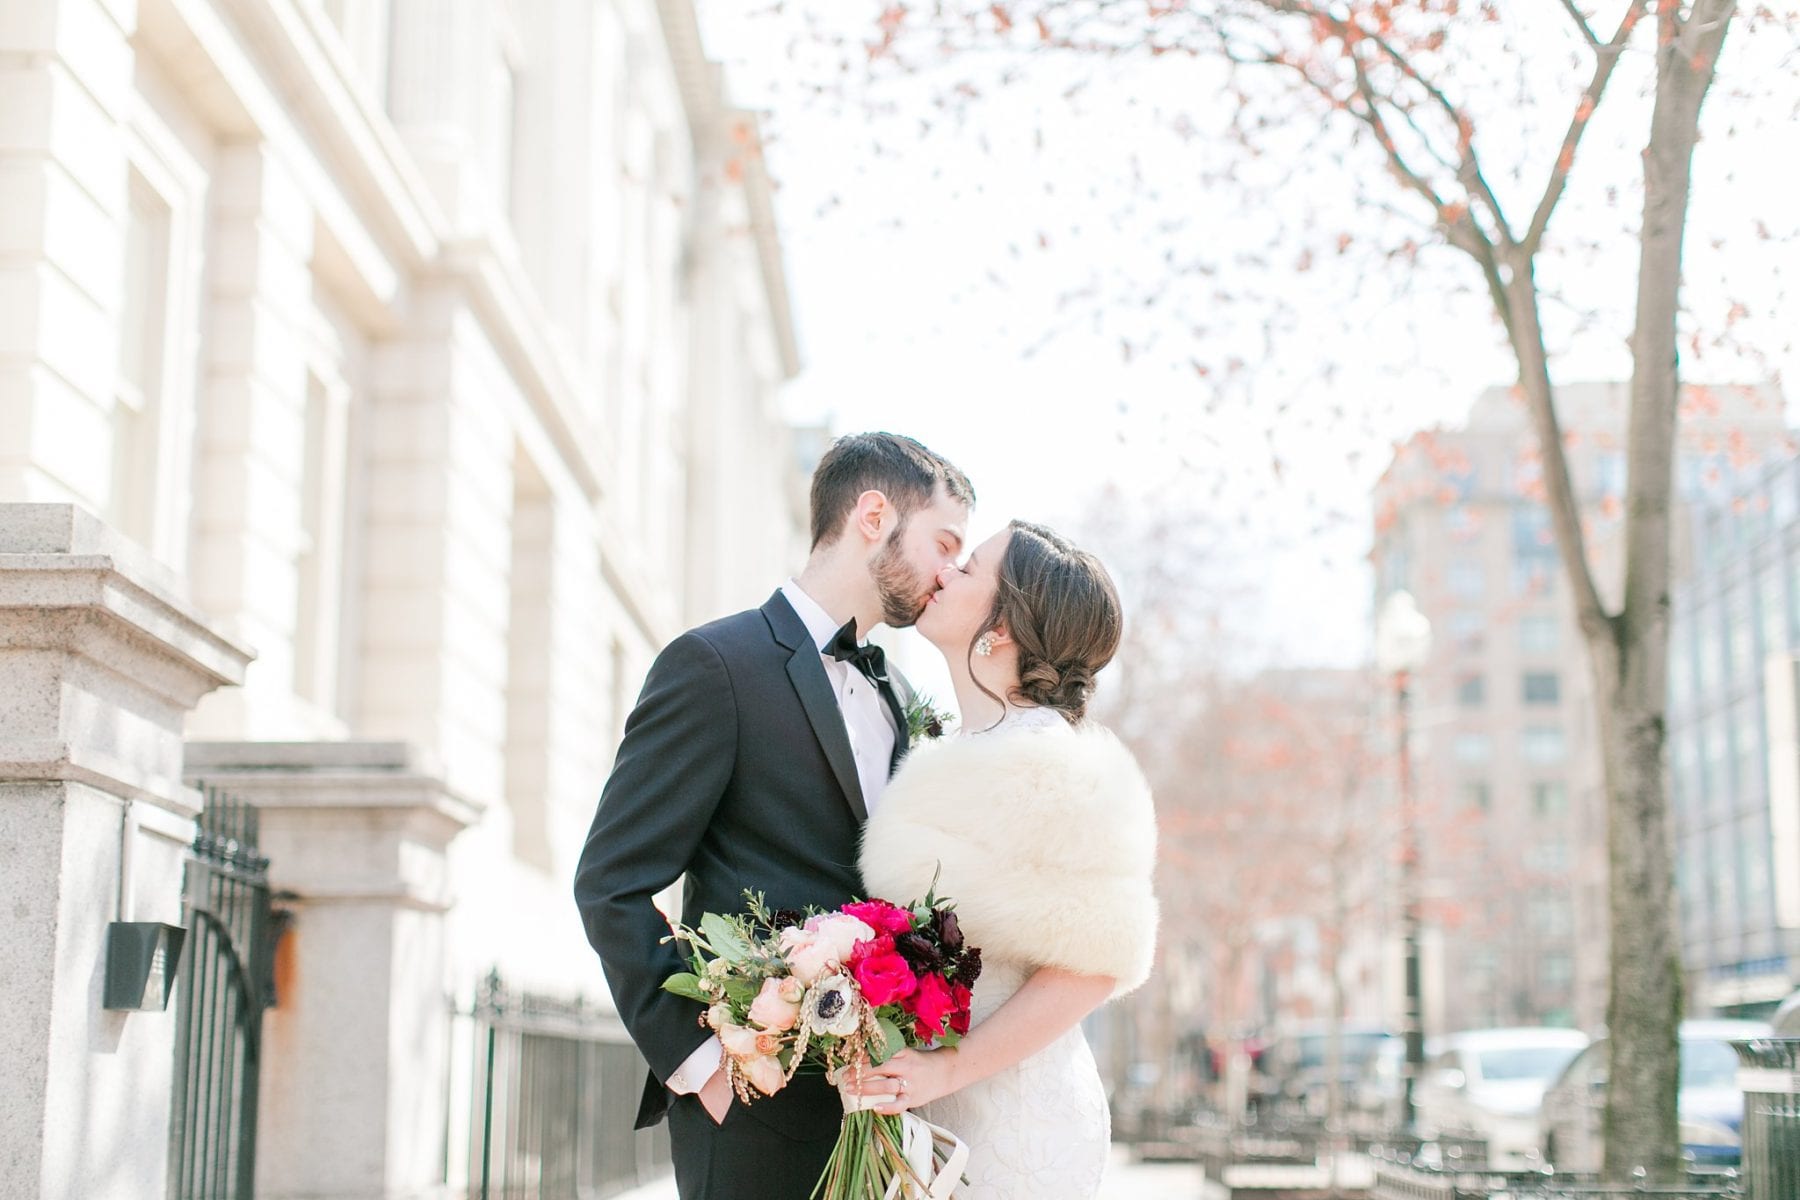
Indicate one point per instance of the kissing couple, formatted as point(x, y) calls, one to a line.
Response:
point(770, 752)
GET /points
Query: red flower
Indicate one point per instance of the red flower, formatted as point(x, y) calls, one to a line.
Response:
point(931, 1003)
point(880, 916)
point(879, 944)
point(959, 1019)
point(884, 978)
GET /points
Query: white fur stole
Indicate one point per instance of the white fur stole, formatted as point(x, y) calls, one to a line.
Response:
point(1045, 839)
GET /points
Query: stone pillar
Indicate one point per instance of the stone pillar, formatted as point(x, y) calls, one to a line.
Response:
point(248, 489)
point(101, 661)
point(355, 1052)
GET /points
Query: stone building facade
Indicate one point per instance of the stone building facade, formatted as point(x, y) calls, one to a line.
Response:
point(409, 368)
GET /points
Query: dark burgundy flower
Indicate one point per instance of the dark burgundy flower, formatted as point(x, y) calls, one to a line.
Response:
point(920, 953)
point(784, 917)
point(968, 966)
point(949, 932)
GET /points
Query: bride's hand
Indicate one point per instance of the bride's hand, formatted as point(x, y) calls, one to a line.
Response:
point(916, 1078)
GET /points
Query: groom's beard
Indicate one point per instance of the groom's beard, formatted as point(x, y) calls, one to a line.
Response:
point(901, 590)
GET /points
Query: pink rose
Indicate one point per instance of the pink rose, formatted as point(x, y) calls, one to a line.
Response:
point(884, 978)
point(765, 1074)
point(807, 957)
point(880, 915)
point(772, 1009)
point(931, 1003)
point(841, 933)
point(768, 1042)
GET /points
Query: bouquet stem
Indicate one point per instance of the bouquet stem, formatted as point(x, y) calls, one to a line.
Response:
point(867, 1160)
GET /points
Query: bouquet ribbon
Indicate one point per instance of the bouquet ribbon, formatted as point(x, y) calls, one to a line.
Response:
point(920, 1146)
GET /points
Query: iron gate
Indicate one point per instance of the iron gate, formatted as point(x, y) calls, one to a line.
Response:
point(224, 986)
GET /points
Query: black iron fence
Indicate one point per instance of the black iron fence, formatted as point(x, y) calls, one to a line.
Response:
point(1769, 1074)
point(1400, 1177)
point(553, 1090)
point(224, 986)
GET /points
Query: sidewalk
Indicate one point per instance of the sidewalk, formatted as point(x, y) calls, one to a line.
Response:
point(1125, 1180)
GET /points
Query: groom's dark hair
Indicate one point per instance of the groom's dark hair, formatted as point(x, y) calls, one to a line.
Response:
point(898, 467)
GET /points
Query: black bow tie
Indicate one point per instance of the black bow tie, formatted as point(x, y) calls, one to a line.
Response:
point(866, 658)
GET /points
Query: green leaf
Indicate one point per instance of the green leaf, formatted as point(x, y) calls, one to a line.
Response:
point(743, 991)
point(896, 1041)
point(723, 936)
point(686, 985)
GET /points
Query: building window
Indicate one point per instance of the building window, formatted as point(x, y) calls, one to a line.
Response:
point(1477, 795)
point(1771, 609)
point(1461, 523)
point(1466, 579)
point(1533, 577)
point(1542, 687)
point(1542, 744)
point(139, 400)
point(1471, 691)
point(1532, 536)
point(1466, 629)
point(1539, 635)
point(1473, 749)
point(1556, 970)
point(1550, 856)
point(1550, 916)
point(1740, 635)
point(1549, 798)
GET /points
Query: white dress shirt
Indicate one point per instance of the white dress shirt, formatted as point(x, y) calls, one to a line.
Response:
point(870, 725)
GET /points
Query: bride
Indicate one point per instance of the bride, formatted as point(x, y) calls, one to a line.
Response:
point(1038, 824)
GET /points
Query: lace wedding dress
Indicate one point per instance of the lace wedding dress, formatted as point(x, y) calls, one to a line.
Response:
point(1038, 1130)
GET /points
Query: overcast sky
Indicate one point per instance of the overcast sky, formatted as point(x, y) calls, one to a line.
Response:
point(975, 280)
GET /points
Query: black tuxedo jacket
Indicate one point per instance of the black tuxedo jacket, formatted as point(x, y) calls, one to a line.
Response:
point(735, 770)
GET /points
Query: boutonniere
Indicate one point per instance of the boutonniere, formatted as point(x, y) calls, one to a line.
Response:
point(926, 720)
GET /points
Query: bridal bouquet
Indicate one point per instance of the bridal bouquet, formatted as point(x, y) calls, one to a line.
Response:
point(839, 991)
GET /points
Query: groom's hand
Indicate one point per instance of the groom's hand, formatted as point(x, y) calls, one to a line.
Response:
point(715, 1097)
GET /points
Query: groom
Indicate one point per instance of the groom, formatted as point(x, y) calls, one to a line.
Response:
point(757, 748)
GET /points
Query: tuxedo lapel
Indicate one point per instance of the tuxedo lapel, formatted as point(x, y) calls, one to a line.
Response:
point(896, 701)
point(806, 671)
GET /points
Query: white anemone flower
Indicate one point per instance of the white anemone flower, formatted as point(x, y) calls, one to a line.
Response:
point(830, 1006)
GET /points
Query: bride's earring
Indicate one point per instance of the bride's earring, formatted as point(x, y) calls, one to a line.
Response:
point(984, 645)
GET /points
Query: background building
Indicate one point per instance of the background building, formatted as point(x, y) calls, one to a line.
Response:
point(1508, 760)
point(1734, 749)
point(426, 351)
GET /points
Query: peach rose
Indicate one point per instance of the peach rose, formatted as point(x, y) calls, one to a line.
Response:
point(765, 1074)
point(772, 1009)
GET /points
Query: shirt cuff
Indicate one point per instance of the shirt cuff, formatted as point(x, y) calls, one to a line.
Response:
point(699, 1068)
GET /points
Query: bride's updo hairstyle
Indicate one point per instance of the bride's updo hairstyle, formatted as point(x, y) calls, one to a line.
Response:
point(1063, 613)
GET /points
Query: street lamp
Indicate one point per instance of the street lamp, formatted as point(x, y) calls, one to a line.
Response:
point(1402, 648)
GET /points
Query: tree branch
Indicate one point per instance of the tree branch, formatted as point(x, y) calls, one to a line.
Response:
point(1469, 173)
point(1581, 23)
point(1606, 58)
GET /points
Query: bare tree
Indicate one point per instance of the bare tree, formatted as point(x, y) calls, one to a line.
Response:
point(1380, 66)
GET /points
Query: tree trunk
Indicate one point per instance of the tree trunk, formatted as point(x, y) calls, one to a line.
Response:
point(1644, 1006)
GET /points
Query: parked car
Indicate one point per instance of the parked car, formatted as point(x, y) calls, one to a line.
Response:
point(1491, 1083)
point(1294, 1068)
point(1711, 1108)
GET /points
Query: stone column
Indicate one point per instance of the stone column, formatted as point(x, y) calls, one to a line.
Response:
point(252, 448)
point(101, 661)
point(355, 1052)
